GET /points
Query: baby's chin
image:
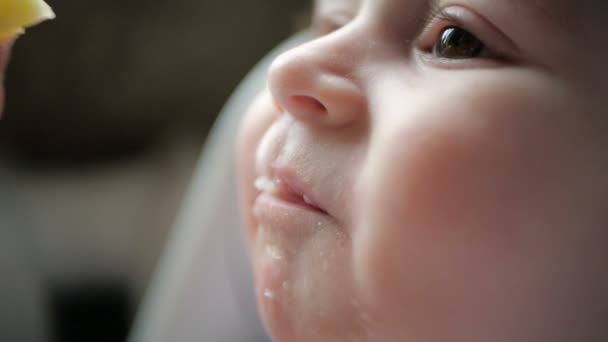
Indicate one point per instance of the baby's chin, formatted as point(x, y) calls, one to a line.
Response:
point(305, 289)
point(273, 296)
point(276, 286)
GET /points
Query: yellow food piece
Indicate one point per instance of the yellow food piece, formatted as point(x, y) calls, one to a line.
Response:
point(16, 15)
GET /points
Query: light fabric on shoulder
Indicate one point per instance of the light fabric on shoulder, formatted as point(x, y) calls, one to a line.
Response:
point(203, 288)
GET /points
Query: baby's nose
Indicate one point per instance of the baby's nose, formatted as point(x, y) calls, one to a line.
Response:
point(317, 86)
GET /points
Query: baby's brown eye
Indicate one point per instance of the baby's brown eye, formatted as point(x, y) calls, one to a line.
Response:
point(456, 43)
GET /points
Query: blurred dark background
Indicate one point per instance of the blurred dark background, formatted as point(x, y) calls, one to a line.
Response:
point(107, 110)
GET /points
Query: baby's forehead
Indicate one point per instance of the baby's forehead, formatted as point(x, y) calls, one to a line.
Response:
point(554, 8)
point(571, 16)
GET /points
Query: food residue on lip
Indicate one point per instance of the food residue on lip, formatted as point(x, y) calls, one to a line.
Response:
point(16, 15)
point(268, 294)
point(274, 252)
point(279, 188)
point(266, 184)
point(307, 200)
point(276, 187)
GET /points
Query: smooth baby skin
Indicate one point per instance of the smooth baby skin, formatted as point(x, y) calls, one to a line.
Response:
point(460, 182)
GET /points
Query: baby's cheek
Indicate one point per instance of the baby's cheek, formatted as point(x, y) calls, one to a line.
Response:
point(466, 212)
point(418, 230)
point(259, 117)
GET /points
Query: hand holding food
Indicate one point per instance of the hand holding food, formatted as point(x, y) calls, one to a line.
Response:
point(16, 15)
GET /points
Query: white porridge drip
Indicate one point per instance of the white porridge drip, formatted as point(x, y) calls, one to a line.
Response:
point(307, 200)
point(266, 184)
point(268, 294)
point(274, 252)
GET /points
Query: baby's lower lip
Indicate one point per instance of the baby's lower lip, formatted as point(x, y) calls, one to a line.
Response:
point(299, 201)
point(282, 215)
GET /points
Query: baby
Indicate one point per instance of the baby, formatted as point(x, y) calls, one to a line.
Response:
point(433, 171)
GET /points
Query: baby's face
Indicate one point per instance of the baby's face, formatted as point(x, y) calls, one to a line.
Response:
point(433, 173)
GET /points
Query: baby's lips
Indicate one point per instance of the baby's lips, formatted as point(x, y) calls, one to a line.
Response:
point(16, 15)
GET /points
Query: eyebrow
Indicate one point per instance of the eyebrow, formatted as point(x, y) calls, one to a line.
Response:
point(554, 11)
point(565, 15)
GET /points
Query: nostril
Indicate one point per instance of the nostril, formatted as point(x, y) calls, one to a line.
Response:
point(309, 104)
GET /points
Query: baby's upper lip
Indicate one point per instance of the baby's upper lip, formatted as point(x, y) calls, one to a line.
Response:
point(284, 169)
point(286, 183)
point(293, 186)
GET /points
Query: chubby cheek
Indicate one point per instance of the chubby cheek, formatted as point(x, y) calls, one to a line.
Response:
point(259, 117)
point(467, 212)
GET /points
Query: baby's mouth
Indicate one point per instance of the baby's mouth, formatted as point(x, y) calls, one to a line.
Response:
point(286, 192)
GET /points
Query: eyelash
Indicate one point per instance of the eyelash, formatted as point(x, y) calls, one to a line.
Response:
point(434, 24)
